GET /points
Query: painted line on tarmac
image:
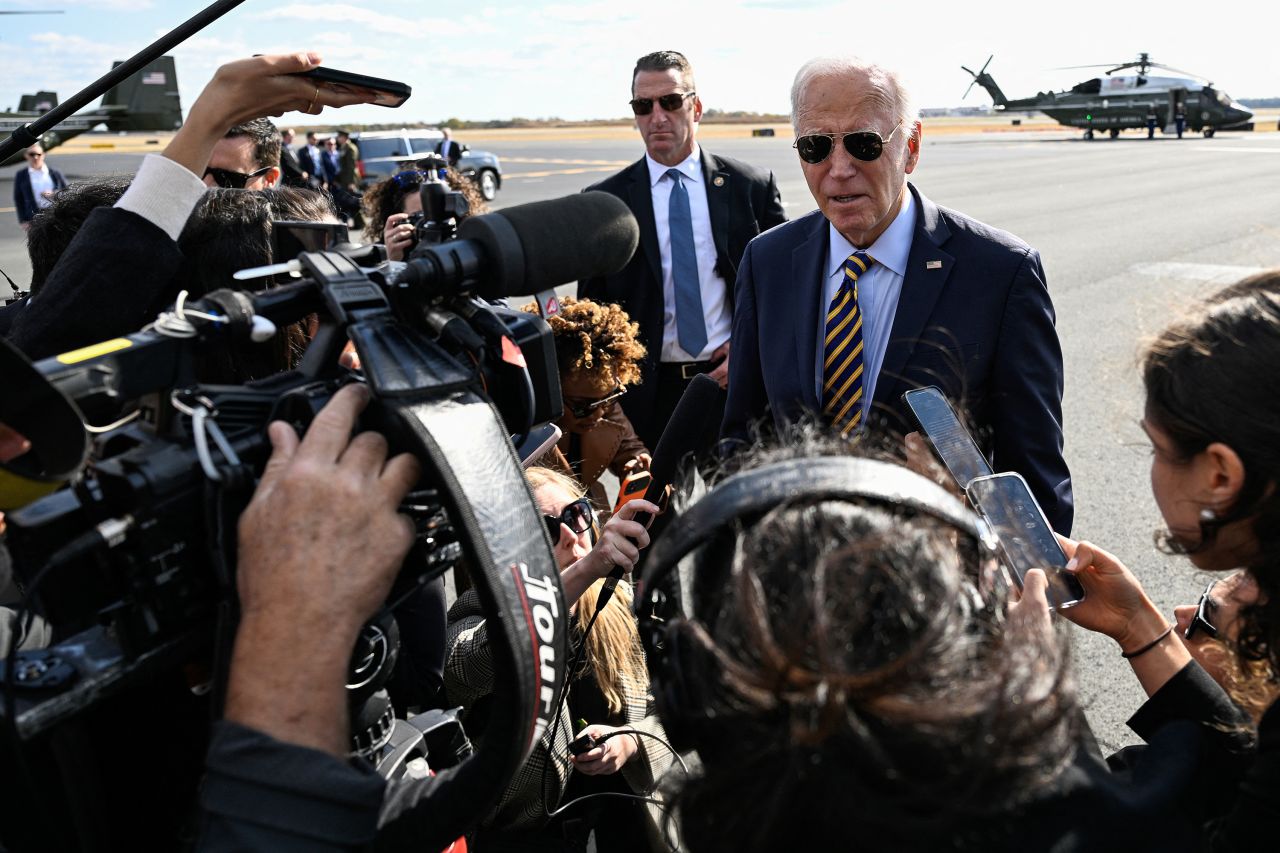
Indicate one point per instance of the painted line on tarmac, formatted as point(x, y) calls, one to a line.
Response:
point(8, 209)
point(507, 176)
point(1234, 148)
point(1213, 273)
point(563, 162)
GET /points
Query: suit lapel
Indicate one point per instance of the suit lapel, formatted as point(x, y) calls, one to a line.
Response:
point(807, 262)
point(928, 268)
point(717, 182)
point(642, 206)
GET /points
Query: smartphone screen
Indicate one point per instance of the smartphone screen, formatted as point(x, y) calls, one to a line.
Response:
point(1025, 538)
point(950, 440)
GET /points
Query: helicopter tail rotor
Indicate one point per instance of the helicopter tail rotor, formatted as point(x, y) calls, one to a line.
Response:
point(986, 81)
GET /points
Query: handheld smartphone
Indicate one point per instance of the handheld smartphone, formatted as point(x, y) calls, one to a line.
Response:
point(634, 486)
point(1025, 539)
point(388, 93)
point(948, 437)
point(580, 745)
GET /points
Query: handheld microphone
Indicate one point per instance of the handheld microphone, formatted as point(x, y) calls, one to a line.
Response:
point(529, 248)
point(692, 430)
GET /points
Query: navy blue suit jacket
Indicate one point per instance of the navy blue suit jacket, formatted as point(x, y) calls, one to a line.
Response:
point(23, 197)
point(974, 319)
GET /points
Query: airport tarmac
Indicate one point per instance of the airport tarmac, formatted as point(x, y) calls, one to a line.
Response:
point(1130, 230)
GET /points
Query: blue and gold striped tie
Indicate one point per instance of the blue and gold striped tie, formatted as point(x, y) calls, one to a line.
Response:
point(843, 359)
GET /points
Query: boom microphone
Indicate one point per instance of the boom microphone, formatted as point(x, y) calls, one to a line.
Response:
point(529, 248)
point(692, 430)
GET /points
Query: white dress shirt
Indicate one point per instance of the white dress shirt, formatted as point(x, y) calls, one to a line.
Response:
point(41, 183)
point(715, 298)
point(878, 291)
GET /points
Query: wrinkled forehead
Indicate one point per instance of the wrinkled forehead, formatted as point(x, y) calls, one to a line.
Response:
point(843, 102)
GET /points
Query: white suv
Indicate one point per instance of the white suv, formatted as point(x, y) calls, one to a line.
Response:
point(385, 152)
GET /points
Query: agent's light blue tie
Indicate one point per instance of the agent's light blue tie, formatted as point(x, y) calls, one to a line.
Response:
point(842, 360)
point(691, 324)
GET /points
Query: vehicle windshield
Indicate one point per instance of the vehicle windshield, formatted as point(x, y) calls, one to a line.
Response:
point(371, 148)
point(1224, 99)
point(425, 144)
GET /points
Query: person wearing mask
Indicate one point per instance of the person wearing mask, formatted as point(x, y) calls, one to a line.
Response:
point(35, 186)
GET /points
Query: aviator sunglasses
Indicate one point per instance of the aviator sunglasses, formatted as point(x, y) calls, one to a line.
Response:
point(670, 103)
point(230, 180)
point(577, 516)
point(864, 145)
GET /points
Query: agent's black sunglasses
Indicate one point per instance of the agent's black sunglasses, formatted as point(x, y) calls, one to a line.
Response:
point(229, 180)
point(864, 145)
point(670, 103)
point(577, 516)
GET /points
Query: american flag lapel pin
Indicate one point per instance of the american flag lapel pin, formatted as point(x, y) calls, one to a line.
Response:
point(933, 265)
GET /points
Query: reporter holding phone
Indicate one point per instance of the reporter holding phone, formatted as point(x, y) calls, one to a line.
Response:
point(610, 691)
point(1213, 418)
point(599, 354)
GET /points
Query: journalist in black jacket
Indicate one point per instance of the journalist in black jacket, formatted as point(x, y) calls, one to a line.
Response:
point(1212, 416)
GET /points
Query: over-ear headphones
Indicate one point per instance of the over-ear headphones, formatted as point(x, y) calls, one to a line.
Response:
point(744, 498)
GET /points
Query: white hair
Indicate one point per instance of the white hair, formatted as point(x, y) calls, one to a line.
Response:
point(886, 85)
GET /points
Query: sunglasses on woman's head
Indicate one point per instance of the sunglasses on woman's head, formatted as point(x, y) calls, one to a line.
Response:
point(577, 516)
point(864, 145)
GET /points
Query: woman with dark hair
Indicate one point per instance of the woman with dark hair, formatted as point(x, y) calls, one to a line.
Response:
point(389, 204)
point(854, 678)
point(606, 698)
point(1213, 418)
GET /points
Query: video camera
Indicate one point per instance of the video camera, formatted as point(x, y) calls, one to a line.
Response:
point(133, 563)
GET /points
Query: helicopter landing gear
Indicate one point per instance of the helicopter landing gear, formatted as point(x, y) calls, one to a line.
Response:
point(1115, 133)
point(1208, 133)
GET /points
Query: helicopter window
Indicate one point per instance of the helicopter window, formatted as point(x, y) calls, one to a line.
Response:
point(1142, 81)
point(1088, 87)
point(1223, 98)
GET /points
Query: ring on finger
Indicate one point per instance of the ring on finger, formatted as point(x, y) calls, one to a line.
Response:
point(311, 106)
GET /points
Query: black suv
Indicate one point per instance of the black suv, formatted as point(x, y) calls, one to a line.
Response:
point(385, 152)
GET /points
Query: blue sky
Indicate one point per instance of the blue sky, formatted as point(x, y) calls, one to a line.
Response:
point(572, 59)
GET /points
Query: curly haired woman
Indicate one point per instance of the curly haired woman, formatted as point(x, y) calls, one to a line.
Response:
point(388, 205)
point(599, 354)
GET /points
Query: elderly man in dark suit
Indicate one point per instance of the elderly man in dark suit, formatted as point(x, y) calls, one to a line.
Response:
point(697, 212)
point(880, 290)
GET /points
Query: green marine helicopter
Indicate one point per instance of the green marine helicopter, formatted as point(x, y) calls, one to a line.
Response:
point(1118, 103)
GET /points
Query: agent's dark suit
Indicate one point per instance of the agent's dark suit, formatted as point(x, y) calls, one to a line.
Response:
point(450, 150)
point(312, 166)
point(742, 200)
point(974, 318)
point(23, 197)
point(290, 168)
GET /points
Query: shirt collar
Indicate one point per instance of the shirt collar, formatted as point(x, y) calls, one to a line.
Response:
point(890, 250)
point(690, 167)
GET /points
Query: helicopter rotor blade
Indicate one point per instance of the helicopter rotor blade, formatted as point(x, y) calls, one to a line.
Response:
point(975, 76)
